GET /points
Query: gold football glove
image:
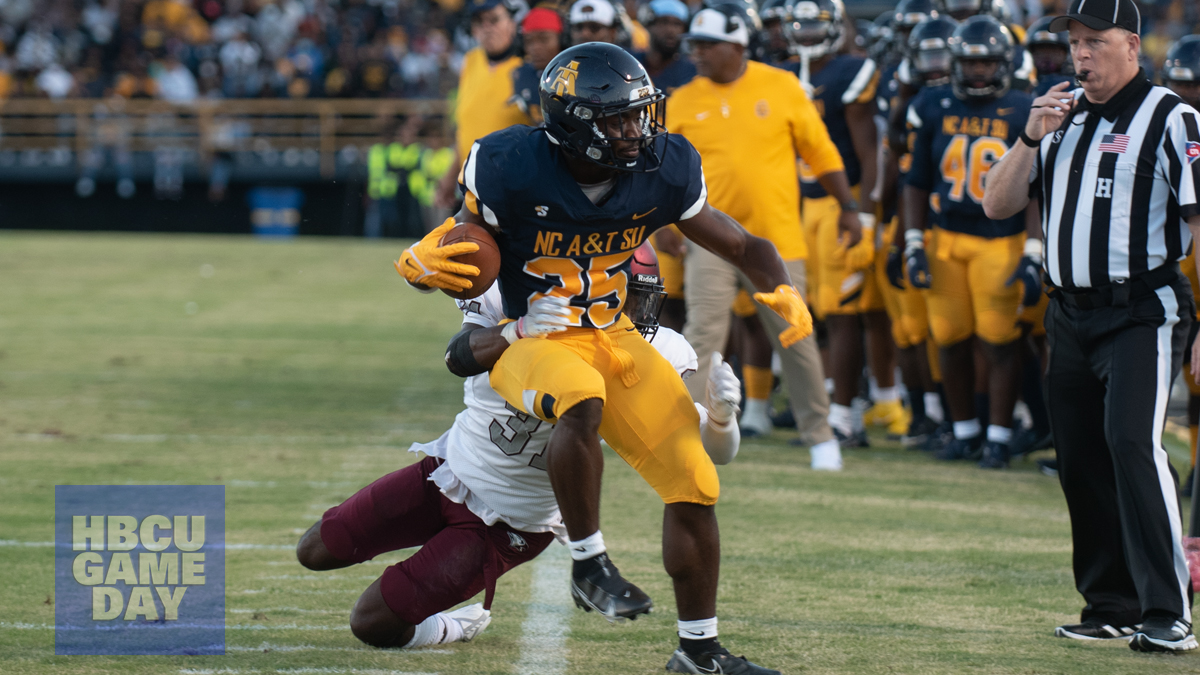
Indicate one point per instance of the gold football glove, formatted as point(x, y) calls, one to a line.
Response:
point(428, 263)
point(787, 303)
point(862, 255)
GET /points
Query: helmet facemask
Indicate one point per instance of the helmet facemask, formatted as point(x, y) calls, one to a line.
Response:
point(593, 134)
point(646, 296)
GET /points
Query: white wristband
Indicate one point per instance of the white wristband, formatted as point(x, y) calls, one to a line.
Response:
point(1034, 248)
point(914, 238)
point(511, 331)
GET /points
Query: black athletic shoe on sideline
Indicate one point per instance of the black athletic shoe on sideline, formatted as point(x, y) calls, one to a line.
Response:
point(959, 448)
point(940, 437)
point(1048, 467)
point(1094, 630)
point(995, 456)
point(1026, 441)
point(717, 660)
point(597, 585)
point(918, 433)
point(1163, 634)
point(785, 419)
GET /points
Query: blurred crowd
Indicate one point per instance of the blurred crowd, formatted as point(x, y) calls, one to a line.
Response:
point(181, 50)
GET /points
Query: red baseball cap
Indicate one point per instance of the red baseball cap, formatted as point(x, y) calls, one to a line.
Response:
point(542, 18)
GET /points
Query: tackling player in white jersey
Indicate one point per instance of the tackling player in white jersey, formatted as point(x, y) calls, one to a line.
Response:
point(480, 502)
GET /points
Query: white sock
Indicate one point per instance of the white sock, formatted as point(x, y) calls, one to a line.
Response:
point(933, 407)
point(967, 429)
point(841, 417)
point(999, 434)
point(756, 407)
point(704, 629)
point(885, 394)
point(589, 547)
point(436, 630)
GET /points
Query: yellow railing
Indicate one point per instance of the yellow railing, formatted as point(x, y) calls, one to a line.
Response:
point(210, 126)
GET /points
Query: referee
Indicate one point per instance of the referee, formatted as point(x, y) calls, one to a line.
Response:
point(1114, 165)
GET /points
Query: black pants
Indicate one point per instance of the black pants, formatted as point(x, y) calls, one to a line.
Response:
point(1107, 384)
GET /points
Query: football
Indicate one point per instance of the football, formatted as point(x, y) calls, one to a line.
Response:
point(487, 258)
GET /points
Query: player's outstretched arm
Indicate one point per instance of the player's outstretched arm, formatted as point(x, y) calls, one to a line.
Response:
point(475, 349)
point(758, 259)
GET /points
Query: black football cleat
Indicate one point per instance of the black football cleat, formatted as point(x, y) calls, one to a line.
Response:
point(995, 456)
point(958, 448)
point(918, 433)
point(597, 585)
point(1163, 634)
point(940, 437)
point(1094, 630)
point(716, 660)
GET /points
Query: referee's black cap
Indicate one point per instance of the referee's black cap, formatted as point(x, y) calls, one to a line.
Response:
point(1101, 15)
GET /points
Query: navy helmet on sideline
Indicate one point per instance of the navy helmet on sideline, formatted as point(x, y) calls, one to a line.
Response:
point(883, 49)
point(909, 13)
point(981, 38)
point(929, 51)
point(1051, 51)
point(595, 80)
point(1181, 69)
point(817, 28)
point(646, 291)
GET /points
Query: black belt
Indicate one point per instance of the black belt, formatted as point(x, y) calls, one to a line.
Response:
point(1119, 292)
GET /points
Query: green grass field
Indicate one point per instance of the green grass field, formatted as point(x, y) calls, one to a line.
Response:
point(294, 373)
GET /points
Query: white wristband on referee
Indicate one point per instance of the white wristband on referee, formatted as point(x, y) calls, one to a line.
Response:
point(1034, 249)
point(914, 238)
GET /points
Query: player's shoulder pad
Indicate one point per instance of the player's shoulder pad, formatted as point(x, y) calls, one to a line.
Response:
point(505, 160)
point(861, 72)
point(681, 163)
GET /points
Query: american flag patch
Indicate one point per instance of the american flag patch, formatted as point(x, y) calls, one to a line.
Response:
point(1113, 143)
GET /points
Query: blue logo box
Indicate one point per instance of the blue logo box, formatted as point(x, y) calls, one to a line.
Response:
point(139, 569)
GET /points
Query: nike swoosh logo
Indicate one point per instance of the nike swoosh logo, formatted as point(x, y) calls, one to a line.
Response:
point(1004, 111)
point(581, 549)
point(643, 215)
point(409, 262)
point(692, 632)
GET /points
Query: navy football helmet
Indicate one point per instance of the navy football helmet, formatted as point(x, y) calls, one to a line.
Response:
point(817, 28)
point(981, 38)
point(1051, 51)
point(929, 51)
point(1181, 69)
point(596, 80)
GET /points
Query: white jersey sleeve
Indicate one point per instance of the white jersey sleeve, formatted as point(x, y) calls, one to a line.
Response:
point(486, 310)
point(675, 349)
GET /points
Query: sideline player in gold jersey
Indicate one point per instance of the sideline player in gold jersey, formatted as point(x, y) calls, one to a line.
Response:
point(568, 204)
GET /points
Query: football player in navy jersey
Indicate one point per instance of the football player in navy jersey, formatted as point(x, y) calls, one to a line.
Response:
point(666, 21)
point(928, 58)
point(777, 49)
point(1051, 54)
point(542, 34)
point(961, 131)
point(568, 204)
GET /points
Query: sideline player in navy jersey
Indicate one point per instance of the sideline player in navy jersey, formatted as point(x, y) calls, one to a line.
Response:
point(908, 14)
point(666, 21)
point(1051, 54)
point(928, 55)
point(542, 33)
point(842, 88)
point(777, 49)
point(568, 204)
point(961, 131)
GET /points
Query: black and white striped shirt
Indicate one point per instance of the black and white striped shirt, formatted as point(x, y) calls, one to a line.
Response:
point(1116, 183)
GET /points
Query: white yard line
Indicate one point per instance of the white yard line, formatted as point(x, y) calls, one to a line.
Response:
point(548, 620)
point(298, 671)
